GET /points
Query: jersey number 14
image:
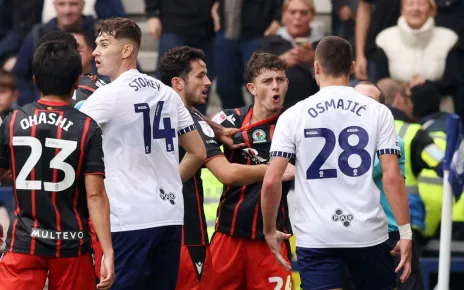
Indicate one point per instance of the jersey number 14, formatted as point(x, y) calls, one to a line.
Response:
point(315, 172)
point(168, 133)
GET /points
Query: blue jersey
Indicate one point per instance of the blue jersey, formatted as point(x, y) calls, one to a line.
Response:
point(392, 225)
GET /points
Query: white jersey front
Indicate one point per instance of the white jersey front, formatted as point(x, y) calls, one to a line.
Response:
point(334, 135)
point(141, 118)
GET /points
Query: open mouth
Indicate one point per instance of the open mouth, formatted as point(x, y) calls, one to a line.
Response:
point(204, 92)
point(275, 98)
point(97, 62)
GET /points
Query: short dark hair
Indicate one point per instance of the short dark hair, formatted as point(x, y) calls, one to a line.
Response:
point(7, 80)
point(89, 37)
point(177, 62)
point(56, 67)
point(261, 61)
point(426, 100)
point(120, 28)
point(57, 36)
point(381, 95)
point(335, 55)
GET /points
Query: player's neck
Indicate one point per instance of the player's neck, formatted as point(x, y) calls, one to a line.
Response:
point(55, 99)
point(260, 113)
point(122, 69)
point(187, 104)
point(326, 81)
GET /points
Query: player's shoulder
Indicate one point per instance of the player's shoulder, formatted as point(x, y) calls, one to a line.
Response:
point(231, 117)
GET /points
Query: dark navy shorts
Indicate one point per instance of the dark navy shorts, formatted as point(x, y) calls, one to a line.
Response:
point(371, 268)
point(147, 259)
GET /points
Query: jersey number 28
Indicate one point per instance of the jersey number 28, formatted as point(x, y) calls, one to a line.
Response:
point(168, 133)
point(315, 172)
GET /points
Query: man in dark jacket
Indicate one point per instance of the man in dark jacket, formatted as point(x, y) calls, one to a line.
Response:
point(69, 14)
point(294, 44)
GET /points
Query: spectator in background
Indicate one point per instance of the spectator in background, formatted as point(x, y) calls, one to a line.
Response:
point(294, 44)
point(372, 17)
point(240, 26)
point(416, 51)
point(8, 93)
point(69, 15)
point(343, 19)
point(182, 23)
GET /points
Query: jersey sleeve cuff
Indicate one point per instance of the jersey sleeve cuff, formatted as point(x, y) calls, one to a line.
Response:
point(282, 154)
point(389, 151)
point(186, 130)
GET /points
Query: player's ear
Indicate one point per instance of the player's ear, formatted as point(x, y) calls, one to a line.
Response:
point(128, 50)
point(177, 84)
point(33, 78)
point(352, 68)
point(251, 88)
point(76, 85)
point(317, 67)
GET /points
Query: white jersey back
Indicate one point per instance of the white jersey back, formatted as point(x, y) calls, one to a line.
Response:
point(141, 118)
point(334, 135)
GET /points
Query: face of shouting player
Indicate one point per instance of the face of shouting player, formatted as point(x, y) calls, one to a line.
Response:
point(109, 55)
point(269, 89)
point(196, 84)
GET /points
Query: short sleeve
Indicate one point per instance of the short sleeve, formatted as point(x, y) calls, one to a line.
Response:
point(4, 152)
point(387, 142)
point(185, 121)
point(228, 118)
point(99, 106)
point(283, 142)
point(94, 161)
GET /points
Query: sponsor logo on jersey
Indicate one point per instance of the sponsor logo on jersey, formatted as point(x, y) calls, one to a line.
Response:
point(206, 129)
point(220, 117)
point(56, 235)
point(259, 136)
point(345, 219)
point(171, 197)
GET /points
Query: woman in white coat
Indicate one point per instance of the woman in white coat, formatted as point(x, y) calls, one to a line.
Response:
point(415, 50)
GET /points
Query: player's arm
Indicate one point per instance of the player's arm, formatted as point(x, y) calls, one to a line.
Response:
point(195, 156)
point(233, 173)
point(97, 201)
point(99, 106)
point(190, 140)
point(394, 186)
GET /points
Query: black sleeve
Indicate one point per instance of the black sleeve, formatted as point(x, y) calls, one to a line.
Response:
point(448, 84)
point(93, 162)
point(152, 8)
point(418, 144)
point(382, 70)
point(207, 135)
point(4, 152)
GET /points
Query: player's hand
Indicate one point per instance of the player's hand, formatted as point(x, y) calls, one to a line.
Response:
point(274, 241)
point(289, 173)
point(403, 248)
point(225, 136)
point(154, 27)
point(360, 68)
point(107, 273)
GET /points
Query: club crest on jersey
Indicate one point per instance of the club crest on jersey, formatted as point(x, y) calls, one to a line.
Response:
point(206, 129)
point(345, 219)
point(259, 136)
point(171, 197)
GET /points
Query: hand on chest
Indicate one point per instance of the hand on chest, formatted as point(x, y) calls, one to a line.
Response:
point(258, 143)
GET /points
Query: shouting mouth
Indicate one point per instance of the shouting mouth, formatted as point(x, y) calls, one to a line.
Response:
point(276, 99)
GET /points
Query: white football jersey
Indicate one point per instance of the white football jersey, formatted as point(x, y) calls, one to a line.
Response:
point(141, 119)
point(334, 135)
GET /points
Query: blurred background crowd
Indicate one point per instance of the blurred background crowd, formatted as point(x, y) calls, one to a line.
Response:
point(413, 49)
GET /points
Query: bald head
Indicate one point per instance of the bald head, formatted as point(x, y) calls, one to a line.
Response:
point(371, 90)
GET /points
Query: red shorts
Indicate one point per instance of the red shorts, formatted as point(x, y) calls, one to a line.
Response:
point(194, 268)
point(29, 272)
point(239, 263)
